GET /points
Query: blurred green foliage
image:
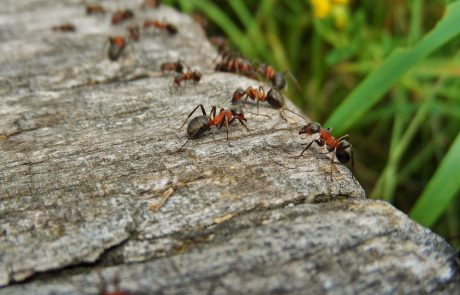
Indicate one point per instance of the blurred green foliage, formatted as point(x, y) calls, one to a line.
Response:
point(386, 72)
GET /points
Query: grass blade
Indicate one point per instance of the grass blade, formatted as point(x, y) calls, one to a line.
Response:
point(441, 190)
point(371, 90)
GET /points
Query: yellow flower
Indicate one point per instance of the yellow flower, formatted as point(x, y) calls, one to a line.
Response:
point(321, 8)
point(341, 2)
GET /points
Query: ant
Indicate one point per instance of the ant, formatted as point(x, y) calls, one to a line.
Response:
point(117, 45)
point(273, 96)
point(220, 43)
point(94, 9)
point(150, 4)
point(203, 123)
point(64, 28)
point(170, 28)
point(237, 65)
point(177, 66)
point(341, 148)
point(194, 76)
point(121, 15)
point(277, 78)
point(134, 33)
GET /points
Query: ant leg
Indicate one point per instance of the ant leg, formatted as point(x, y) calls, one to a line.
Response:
point(306, 148)
point(283, 115)
point(212, 114)
point(226, 125)
point(345, 137)
point(190, 137)
point(244, 124)
point(332, 162)
point(297, 84)
point(286, 109)
point(352, 164)
point(202, 109)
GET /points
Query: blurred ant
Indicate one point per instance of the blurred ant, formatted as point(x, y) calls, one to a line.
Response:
point(134, 33)
point(200, 19)
point(177, 66)
point(340, 148)
point(104, 290)
point(193, 76)
point(170, 28)
point(237, 65)
point(150, 4)
point(64, 28)
point(203, 123)
point(273, 97)
point(117, 45)
point(220, 43)
point(121, 15)
point(94, 9)
point(277, 78)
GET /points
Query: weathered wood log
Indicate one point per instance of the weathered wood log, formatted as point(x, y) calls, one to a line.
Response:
point(92, 188)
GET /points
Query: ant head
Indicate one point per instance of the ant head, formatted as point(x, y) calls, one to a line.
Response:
point(237, 95)
point(344, 152)
point(238, 113)
point(310, 128)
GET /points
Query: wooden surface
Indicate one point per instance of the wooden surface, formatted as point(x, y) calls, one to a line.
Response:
point(91, 189)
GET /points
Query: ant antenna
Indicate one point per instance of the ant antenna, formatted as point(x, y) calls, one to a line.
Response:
point(286, 109)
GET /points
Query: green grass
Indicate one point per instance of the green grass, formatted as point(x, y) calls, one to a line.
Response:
point(390, 78)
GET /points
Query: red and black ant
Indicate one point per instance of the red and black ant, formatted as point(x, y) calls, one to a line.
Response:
point(273, 97)
point(150, 4)
point(340, 148)
point(64, 28)
point(203, 123)
point(170, 28)
point(134, 33)
point(193, 76)
point(117, 45)
point(277, 78)
point(237, 65)
point(177, 67)
point(94, 9)
point(121, 15)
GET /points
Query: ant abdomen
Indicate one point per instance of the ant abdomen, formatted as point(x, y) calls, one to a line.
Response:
point(275, 98)
point(198, 126)
point(238, 94)
point(343, 152)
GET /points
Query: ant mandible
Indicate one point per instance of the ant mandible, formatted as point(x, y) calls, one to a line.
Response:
point(340, 148)
point(273, 96)
point(203, 123)
point(170, 28)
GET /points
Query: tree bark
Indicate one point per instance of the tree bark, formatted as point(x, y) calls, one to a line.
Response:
point(93, 189)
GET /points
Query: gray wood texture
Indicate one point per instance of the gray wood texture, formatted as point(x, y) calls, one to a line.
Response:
point(94, 196)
